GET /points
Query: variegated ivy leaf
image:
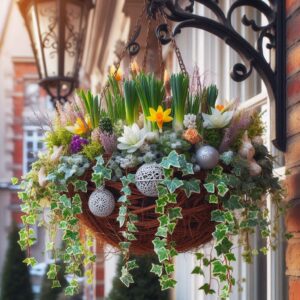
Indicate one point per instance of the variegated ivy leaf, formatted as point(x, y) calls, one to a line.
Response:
point(172, 184)
point(217, 171)
point(30, 261)
point(172, 160)
point(222, 189)
point(98, 179)
point(213, 199)
point(210, 187)
point(164, 220)
point(223, 246)
point(167, 283)
point(126, 180)
point(126, 277)
point(162, 254)
point(234, 202)
point(169, 268)
point(207, 289)
point(160, 210)
point(191, 186)
point(159, 243)
point(126, 190)
point(185, 167)
point(124, 246)
point(131, 264)
point(175, 213)
point(162, 231)
point(161, 191)
point(100, 161)
point(156, 269)
point(131, 227)
point(80, 185)
point(218, 268)
point(171, 227)
point(65, 201)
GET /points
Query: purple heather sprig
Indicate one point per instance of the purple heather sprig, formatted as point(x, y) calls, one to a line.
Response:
point(77, 144)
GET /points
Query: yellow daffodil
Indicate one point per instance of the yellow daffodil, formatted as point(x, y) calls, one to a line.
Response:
point(117, 74)
point(135, 68)
point(160, 116)
point(81, 126)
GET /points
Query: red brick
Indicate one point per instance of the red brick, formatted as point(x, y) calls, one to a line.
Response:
point(293, 26)
point(293, 151)
point(294, 289)
point(292, 219)
point(293, 257)
point(292, 185)
point(100, 290)
point(293, 90)
point(293, 120)
point(293, 60)
point(291, 6)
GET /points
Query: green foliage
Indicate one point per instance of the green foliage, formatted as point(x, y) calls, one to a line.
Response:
point(145, 286)
point(179, 86)
point(92, 106)
point(51, 290)
point(131, 102)
point(213, 137)
point(115, 101)
point(208, 98)
point(256, 127)
point(92, 150)
point(58, 137)
point(106, 125)
point(16, 278)
point(150, 92)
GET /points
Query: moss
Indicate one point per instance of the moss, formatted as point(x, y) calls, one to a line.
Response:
point(92, 150)
point(213, 137)
point(256, 127)
point(59, 137)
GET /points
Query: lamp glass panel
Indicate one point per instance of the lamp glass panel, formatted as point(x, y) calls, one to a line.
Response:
point(73, 36)
point(48, 21)
point(36, 41)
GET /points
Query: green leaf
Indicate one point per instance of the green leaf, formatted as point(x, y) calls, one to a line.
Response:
point(124, 245)
point(162, 191)
point(199, 256)
point(234, 202)
point(80, 185)
point(213, 199)
point(185, 167)
point(131, 227)
point(55, 284)
point(126, 277)
point(168, 284)
point(172, 160)
point(224, 246)
point(162, 231)
point(210, 187)
point(198, 270)
point(218, 268)
point(98, 179)
point(14, 180)
point(222, 189)
point(171, 198)
point(131, 264)
point(172, 184)
point(217, 171)
point(207, 290)
point(220, 232)
point(169, 268)
point(175, 213)
point(230, 257)
point(191, 186)
point(65, 201)
point(30, 261)
point(164, 220)
point(171, 227)
point(162, 254)
point(156, 269)
point(159, 243)
point(217, 216)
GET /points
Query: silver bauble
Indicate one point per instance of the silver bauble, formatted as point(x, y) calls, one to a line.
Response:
point(147, 178)
point(101, 202)
point(207, 157)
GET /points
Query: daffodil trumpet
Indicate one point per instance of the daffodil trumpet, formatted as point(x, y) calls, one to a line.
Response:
point(159, 116)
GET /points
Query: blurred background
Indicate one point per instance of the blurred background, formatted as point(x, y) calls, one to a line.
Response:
point(25, 108)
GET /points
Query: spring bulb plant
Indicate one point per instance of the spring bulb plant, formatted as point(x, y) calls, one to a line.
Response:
point(182, 127)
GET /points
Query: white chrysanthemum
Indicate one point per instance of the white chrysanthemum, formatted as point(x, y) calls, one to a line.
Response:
point(132, 139)
point(217, 119)
point(189, 121)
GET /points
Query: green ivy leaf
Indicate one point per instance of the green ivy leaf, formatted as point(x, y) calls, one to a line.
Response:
point(55, 284)
point(65, 201)
point(172, 160)
point(213, 199)
point(80, 185)
point(30, 261)
point(222, 189)
point(217, 216)
point(131, 227)
point(131, 264)
point(162, 232)
point(171, 198)
point(163, 220)
point(168, 284)
point(175, 213)
point(191, 186)
point(210, 187)
point(171, 227)
point(218, 268)
point(217, 171)
point(98, 179)
point(207, 290)
point(124, 245)
point(14, 181)
point(156, 269)
point(230, 257)
point(220, 232)
point(234, 202)
point(172, 184)
point(169, 268)
point(159, 243)
point(185, 167)
point(198, 270)
point(223, 246)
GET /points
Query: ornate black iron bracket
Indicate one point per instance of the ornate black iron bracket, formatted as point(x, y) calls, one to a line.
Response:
point(253, 57)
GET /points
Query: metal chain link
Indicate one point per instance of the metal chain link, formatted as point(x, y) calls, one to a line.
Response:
point(174, 44)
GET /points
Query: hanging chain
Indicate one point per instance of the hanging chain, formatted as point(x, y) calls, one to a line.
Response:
point(173, 42)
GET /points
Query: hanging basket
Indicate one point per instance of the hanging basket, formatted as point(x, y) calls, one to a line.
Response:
point(194, 230)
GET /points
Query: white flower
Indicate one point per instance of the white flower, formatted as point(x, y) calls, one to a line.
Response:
point(133, 138)
point(217, 119)
point(189, 121)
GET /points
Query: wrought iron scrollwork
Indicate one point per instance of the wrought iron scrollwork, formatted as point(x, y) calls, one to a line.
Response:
point(252, 56)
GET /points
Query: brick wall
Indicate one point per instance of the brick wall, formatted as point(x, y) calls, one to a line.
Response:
point(293, 150)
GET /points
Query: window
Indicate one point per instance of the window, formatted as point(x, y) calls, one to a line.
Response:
point(264, 279)
point(32, 144)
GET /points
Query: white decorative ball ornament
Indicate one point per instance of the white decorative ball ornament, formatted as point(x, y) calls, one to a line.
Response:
point(101, 202)
point(147, 178)
point(207, 157)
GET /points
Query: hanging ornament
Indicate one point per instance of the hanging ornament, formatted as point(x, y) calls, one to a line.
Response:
point(147, 178)
point(207, 157)
point(246, 150)
point(254, 168)
point(101, 202)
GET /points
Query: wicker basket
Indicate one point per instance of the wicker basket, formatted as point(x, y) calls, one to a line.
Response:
point(194, 230)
